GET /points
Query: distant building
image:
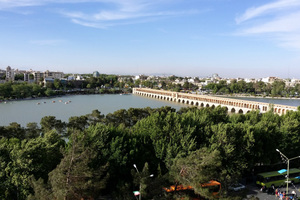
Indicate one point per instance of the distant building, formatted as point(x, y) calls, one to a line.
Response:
point(10, 75)
point(48, 80)
point(38, 76)
point(54, 75)
point(41, 76)
point(250, 80)
point(216, 77)
point(96, 74)
point(269, 79)
point(141, 77)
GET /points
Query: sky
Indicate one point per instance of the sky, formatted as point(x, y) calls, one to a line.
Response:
point(233, 38)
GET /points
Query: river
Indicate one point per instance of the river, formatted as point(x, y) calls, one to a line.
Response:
point(25, 111)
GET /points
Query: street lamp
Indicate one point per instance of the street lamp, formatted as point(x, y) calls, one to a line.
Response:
point(140, 192)
point(288, 168)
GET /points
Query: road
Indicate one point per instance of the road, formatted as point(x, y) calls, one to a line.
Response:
point(253, 190)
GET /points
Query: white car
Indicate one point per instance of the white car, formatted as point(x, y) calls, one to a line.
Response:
point(237, 187)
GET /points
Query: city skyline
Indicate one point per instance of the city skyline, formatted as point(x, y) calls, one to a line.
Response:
point(252, 38)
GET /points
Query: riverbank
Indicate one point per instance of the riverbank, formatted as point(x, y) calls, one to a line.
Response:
point(68, 93)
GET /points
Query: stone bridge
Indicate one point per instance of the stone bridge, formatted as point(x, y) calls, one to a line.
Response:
point(232, 105)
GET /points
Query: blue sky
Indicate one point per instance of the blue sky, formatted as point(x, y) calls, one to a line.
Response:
point(234, 38)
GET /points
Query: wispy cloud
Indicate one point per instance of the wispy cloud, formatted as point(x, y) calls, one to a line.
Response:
point(278, 20)
point(113, 12)
point(124, 12)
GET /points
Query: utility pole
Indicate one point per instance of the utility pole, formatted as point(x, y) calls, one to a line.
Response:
point(288, 168)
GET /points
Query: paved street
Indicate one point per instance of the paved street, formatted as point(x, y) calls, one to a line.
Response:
point(255, 191)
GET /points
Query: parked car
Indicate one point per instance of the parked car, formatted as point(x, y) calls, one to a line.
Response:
point(237, 187)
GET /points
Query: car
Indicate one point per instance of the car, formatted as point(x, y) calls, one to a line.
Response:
point(237, 187)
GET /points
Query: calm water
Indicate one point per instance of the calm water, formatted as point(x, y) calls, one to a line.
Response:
point(26, 111)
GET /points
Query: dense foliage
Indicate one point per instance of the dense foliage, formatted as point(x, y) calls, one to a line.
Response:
point(93, 155)
point(277, 88)
point(102, 84)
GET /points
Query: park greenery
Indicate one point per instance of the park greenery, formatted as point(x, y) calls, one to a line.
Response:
point(91, 85)
point(92, 156)
point(276, 89)
point(113, 84)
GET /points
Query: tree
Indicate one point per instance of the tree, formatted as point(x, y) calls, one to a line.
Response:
point(15, 130)
point(168, 136)
point(57, 84)
point(49, 123)
point(137, 83)
point(21, 90)
point(290, 131)
point(32, 130)
point(49, 92)
point(143, 179)
point(229, 140)
point(6, 90)
point(197, 168)
point(75, 178)
point(19, 77)
point(95, 117)
point(277, 88)
point(78, 123)
point(26, 159)
point(37, 90)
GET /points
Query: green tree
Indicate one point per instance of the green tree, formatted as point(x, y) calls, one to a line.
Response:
point(75, 178)
point(197, 168)
point(95, 117)
point(26, 159)
point(49, 123)
point(49, 92)
point(277, 88)
point(143, 180)
point(32, 130)
point(78, 123)
point(167, 134)
point(15, 130)
point(6, 90)
point(57, 84)
point(19, 77)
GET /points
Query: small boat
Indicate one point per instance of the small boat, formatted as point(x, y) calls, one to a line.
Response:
point(38, 103)
point(44, 101)
point(53, 101)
